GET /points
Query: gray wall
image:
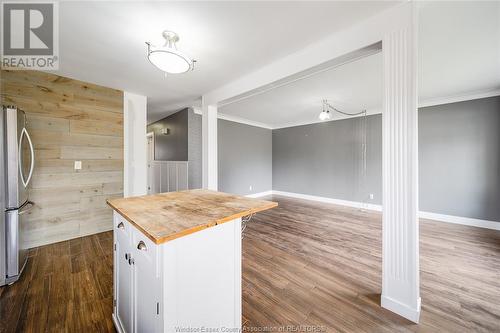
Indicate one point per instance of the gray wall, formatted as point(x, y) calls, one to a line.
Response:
point(459, 159)
point(194, 149)
point(324, 159)
point(174, 146)
point(244, 157)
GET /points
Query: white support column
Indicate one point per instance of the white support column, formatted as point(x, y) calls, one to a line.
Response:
point(400, 259)
point(135, 173)
point(209, 137)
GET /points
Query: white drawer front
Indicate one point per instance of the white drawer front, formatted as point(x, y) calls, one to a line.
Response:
point(122, 225)
point(144, 247)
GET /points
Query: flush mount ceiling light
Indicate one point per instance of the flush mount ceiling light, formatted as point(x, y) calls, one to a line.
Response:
point(167, 58)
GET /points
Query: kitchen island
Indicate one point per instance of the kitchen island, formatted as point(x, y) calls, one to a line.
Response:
point(177, 261)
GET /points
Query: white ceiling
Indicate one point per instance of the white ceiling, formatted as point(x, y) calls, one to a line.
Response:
point(351, 88)
point(103, 42)
point(459, 47)
point(459, 54)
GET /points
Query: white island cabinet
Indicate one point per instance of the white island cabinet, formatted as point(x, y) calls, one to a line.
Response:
point(177, 261)
point(136, 279)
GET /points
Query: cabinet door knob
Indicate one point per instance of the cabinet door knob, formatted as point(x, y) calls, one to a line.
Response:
point(142, 246)
point(121, 226)
point(126, 256)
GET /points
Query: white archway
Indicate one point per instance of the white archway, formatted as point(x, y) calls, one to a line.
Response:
point(397, 29)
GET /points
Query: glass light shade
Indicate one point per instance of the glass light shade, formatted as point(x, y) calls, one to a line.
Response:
point(324, 115)
point(170, 61)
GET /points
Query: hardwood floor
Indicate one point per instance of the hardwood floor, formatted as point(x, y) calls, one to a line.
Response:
point(305, 263)
point(66, 287)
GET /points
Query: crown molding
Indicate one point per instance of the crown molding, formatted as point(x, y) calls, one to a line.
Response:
point(459, 98)
point(425, 103)
point(244, 121)
point(196, 110)
point(235, 119)
point(369, 112)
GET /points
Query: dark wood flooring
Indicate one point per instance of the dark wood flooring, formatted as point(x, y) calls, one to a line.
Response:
point(66, 287)
point(306, 265)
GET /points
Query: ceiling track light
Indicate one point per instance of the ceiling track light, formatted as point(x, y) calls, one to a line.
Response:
point(167, 58)
point(326, 115)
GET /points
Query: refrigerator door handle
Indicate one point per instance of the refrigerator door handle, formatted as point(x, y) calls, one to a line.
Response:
point(32, 151)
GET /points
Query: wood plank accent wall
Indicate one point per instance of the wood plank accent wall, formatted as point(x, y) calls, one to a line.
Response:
point(69, 121)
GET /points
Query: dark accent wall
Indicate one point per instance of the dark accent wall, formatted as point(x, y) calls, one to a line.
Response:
point(174, 146)
point(244, 158)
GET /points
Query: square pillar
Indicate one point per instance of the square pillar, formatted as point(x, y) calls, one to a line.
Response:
point(209, 143)
point(400, 255)
point(135, 170)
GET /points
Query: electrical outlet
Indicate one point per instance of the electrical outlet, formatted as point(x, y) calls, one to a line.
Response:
point(250, 188)
point(78, 165)
point(371, 196)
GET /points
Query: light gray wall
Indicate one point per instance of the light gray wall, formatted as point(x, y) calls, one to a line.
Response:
point(244, 157)
point(194, 150)
point(459, 159)
point(324, 159)
point(174, 146)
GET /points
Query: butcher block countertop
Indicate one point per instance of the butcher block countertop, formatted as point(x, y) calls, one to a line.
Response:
point(167, 216)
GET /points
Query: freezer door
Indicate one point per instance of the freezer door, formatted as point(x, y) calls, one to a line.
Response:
point(16, 249)
point(20, 158)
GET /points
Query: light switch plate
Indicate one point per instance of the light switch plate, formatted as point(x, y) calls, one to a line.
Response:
point(78, 165)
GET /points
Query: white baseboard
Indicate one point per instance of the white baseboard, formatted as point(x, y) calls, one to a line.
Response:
point(353, 204)
point(425, 215)
point(260, 194)
point(401, 309)
point(461, 220)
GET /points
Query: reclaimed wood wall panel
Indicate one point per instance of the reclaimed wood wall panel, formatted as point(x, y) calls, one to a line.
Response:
point(69, 121)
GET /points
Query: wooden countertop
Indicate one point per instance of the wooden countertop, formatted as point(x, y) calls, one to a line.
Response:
point(167, 216)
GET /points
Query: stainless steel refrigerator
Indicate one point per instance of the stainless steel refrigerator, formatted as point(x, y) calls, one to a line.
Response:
point(16, 170)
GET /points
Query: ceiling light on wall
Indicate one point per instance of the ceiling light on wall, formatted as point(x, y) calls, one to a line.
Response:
point(167, 58)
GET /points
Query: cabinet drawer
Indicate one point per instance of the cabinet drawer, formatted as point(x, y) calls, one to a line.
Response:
point(122, 225)
point(143, 247)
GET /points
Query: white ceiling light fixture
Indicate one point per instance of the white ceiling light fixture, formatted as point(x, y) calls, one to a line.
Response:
point(167, 58)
